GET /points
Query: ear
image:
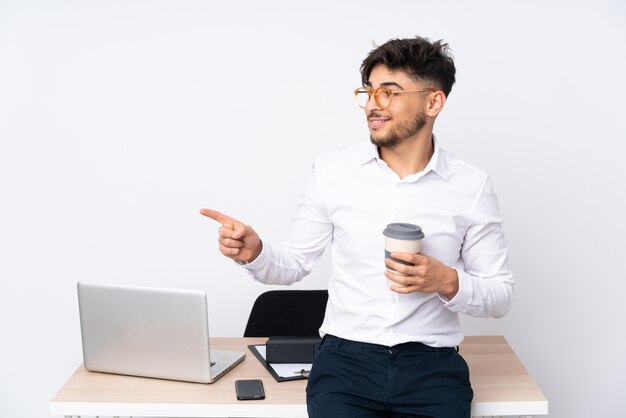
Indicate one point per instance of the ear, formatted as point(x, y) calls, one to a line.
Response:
point(436, 101)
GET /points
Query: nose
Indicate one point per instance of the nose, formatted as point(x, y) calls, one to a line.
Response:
point(371, 104)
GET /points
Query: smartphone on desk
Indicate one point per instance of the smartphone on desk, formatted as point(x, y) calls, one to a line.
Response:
point(251, 389)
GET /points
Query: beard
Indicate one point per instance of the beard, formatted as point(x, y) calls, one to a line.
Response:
point(399, 133)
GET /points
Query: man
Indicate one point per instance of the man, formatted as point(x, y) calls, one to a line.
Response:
point(390, 351)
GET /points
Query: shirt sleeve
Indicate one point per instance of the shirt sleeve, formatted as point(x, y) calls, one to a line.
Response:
point(485, 279)
point(308, 236)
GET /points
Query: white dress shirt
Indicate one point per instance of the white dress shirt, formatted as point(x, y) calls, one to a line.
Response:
point(351, 197)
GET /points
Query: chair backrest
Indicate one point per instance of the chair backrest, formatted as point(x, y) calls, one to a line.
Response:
point(296, 313)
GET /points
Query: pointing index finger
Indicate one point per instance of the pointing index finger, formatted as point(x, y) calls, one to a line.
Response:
point(218, 216)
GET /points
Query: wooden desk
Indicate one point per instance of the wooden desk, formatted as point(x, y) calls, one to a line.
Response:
point(502, 387)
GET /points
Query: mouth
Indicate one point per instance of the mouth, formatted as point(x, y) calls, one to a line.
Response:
point(376, 122)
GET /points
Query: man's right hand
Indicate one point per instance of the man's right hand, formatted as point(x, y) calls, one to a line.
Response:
point(237, 240)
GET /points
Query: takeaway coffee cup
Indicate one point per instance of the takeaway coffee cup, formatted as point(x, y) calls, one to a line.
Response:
point(402, 237)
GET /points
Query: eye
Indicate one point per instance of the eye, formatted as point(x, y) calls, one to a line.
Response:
point(384, 93)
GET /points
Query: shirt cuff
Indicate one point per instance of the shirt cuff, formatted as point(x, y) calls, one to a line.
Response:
point(258, 263)
point(463, 296)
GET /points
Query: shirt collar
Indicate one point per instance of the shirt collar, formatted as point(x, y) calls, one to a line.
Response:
point(436, 164)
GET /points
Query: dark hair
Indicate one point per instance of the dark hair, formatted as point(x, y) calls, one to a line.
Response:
point(420, 58)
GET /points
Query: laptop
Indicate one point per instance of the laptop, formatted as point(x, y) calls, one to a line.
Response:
point(150, 332)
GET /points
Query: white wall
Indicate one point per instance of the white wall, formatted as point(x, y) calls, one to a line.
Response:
point(120, 119)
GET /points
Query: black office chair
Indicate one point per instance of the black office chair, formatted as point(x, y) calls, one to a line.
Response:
point(297, 313)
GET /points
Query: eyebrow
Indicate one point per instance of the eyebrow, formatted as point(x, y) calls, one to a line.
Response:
point(386, 84)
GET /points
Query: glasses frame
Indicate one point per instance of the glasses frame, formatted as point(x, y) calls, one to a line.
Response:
point(370, 91)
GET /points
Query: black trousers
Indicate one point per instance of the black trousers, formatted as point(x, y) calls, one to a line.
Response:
point(351, 379)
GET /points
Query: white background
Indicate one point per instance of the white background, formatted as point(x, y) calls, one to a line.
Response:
point(120, 119)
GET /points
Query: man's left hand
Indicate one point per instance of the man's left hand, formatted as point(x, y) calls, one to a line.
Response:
point(428, 275)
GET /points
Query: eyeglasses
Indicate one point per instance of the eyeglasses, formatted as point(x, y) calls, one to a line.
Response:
point(382, 95)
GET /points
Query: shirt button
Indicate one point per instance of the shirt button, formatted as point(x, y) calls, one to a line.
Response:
point(393, 300)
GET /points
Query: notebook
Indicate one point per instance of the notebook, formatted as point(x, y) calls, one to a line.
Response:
point(149, 331)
